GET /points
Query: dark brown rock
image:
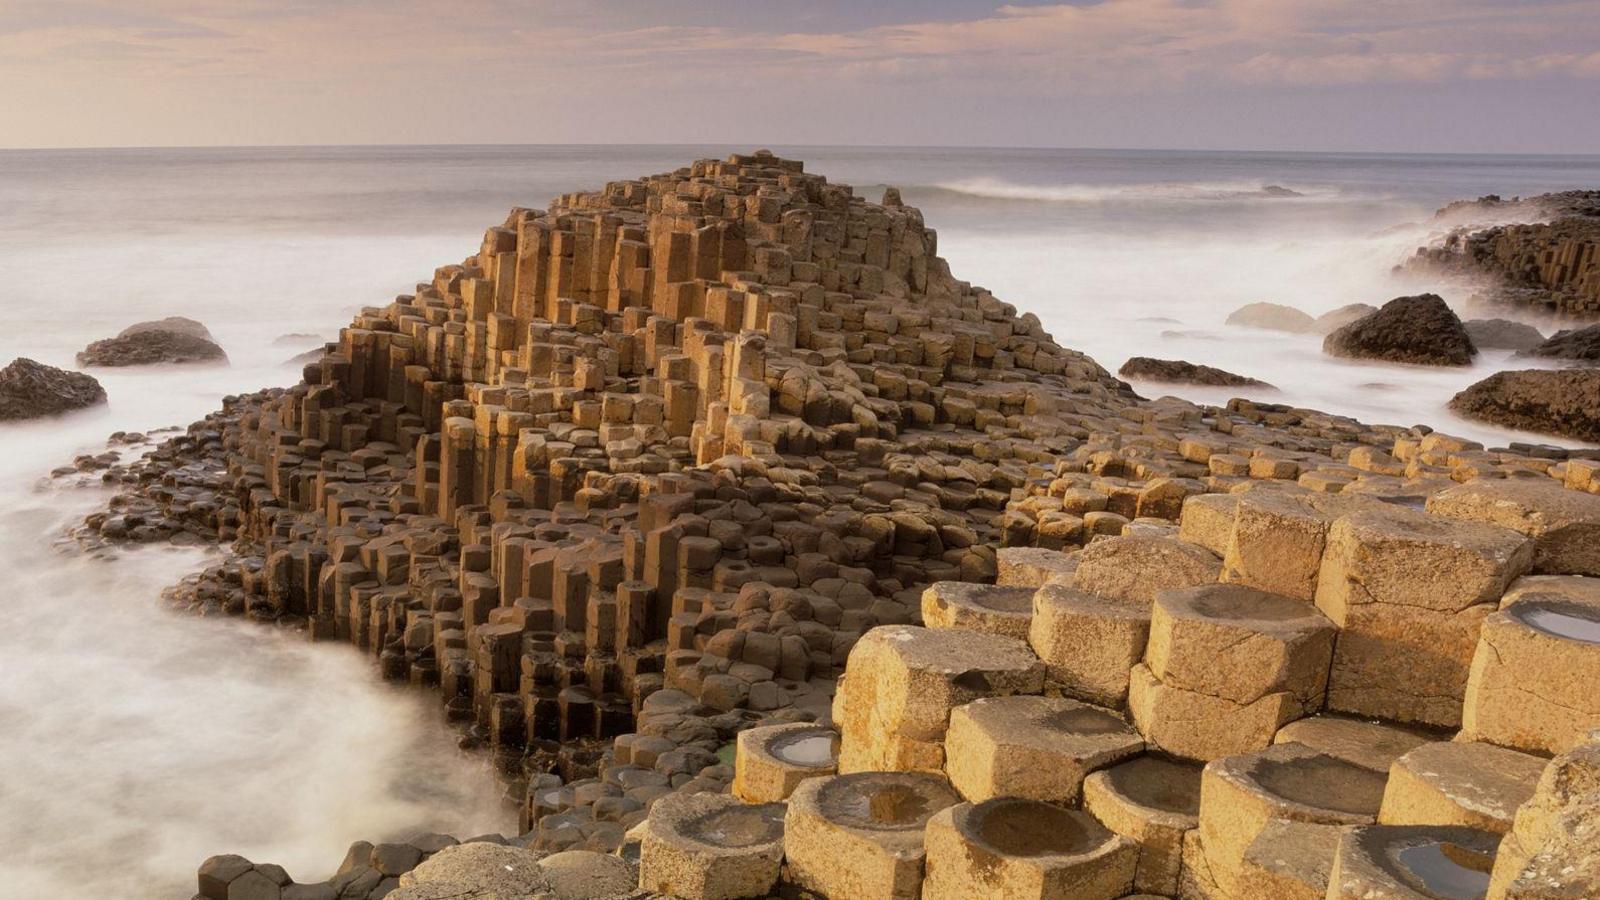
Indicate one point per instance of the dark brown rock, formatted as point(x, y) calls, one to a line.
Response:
point(1502, 334)
point(150, 347)
point(1563, 402)
point(1177, 371)
point(1581, 345)
point(1421, 330)
point(29, 390)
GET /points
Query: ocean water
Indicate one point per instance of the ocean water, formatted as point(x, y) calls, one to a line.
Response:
point(135, 742)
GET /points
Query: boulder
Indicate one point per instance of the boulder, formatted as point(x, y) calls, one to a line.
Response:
point(177, 324)
point(1420, 330)
point(152, 346)
point(1177, 371)
point(29, 390)
point(1563, 402)
point(1502, 334)
point(1580, 345)
point(1273, 317)
point(1335, 319)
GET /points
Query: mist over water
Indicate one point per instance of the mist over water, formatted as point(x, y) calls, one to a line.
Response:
point(135, 742)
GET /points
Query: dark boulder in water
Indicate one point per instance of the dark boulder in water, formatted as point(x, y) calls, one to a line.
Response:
point(31, 390)
point(1580, 345)
point(1177, 371)
point(143, 346)
point(1502, 334)
point(179, 324)
point(1421, 330)
point(1563, 402)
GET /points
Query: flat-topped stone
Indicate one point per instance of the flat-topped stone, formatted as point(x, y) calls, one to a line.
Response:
point(978, 607)
point(1136, 568)
point(1288, 860)
point(1009, 847)
point(1199, 726)
point(1033, 566)
point(1154, 801)
point(1426, 861)
point(862, 834)
point(1467, 783)
point(902, 681)
point(770, 761)
point(1533, 677)
point(1040, 748)
point(711, 847)
point(1088, 643)
point(1564, 524)
point(1373, 745)
point(1278, 538)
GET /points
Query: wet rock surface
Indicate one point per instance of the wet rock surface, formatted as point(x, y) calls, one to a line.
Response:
point(1421, 330)
point(1177, 371)
point(32, 390)
point(168, 341)
point(1557, 402)
point(1577, 345)
point(1502, 334)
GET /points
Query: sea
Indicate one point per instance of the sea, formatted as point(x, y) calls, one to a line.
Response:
point(135, 742)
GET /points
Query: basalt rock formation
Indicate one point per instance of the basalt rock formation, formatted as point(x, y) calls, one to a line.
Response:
point(1177, 371)
point(1421, 330)
point(1577, 345)
point(1502, 334)
point(1551, 264)
point(171, 340)
point(757, 548)
point(31, 390)
point(1564, 402)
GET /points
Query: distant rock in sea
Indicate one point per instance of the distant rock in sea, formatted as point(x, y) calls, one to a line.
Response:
point(1275, 190)
point(171, 340)
point(1580, 345)
point(1273, 317)
point(31, 390)
point(1421, 330)
point(1563, 402)
point(1177, 371)
point(1335, 319)
point(1502, 334)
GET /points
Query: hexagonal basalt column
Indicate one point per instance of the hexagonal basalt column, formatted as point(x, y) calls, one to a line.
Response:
point(1533, 677)
point(1459, 783)
point(1431, 861)
point(978, 607)
point(1240, 795)
point(1034, 747)
point(772, 760)
point(1564, 524)
point(901, 682)
point(1033, 566)
point(1088, 643)
point(861, 835)
point(1408, 592)
point(1136, 568)
point(1277, 540)
point(711, 847)
point(1020, 849)
point(1374, 745)
point(1155, 802)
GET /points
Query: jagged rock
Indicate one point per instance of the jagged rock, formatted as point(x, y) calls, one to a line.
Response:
point(1178, 371)
point(1420, 330)
point(1502, 334)
point(1273, 317)
point(1563, 402)
point(1580, 345)
point(1335, 319)
point(30, 390)
point(151, 346)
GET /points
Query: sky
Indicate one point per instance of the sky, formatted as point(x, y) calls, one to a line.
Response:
point(1513, 76)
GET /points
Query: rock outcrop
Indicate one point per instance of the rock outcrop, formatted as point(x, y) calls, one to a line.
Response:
point(1502, 334)
point(174, 340)
point(31, 390)
point(1578, 345)
point(1420, 330)
point(1177, 371)
point(1335, 319)
point(1563, 402)
point(1272, 317)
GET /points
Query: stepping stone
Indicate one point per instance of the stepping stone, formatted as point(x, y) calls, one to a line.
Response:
point(901, 682)
point(861, 835)
point(1408, 591)
point(1289, 860)
point(1433, 861)
point(1024, 849)
point(1154, 801)
point(1241, 795)
point(1373, 745)
point(1564, 524)
point(1004, 611)
point(1240, 644)
point(1207, 521)
point(1033, 566)
point(772, 760)
point(1088, 643)
point(1135, 568)
point(1532, 682)
point(711, 847)
point(1198, 726)
point(1034, 747)
point(1278, 537)
point(1460, 783)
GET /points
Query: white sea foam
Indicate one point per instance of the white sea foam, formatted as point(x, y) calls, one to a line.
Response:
point(1155, 192)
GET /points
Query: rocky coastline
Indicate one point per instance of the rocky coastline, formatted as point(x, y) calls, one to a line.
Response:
point(764, 557)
